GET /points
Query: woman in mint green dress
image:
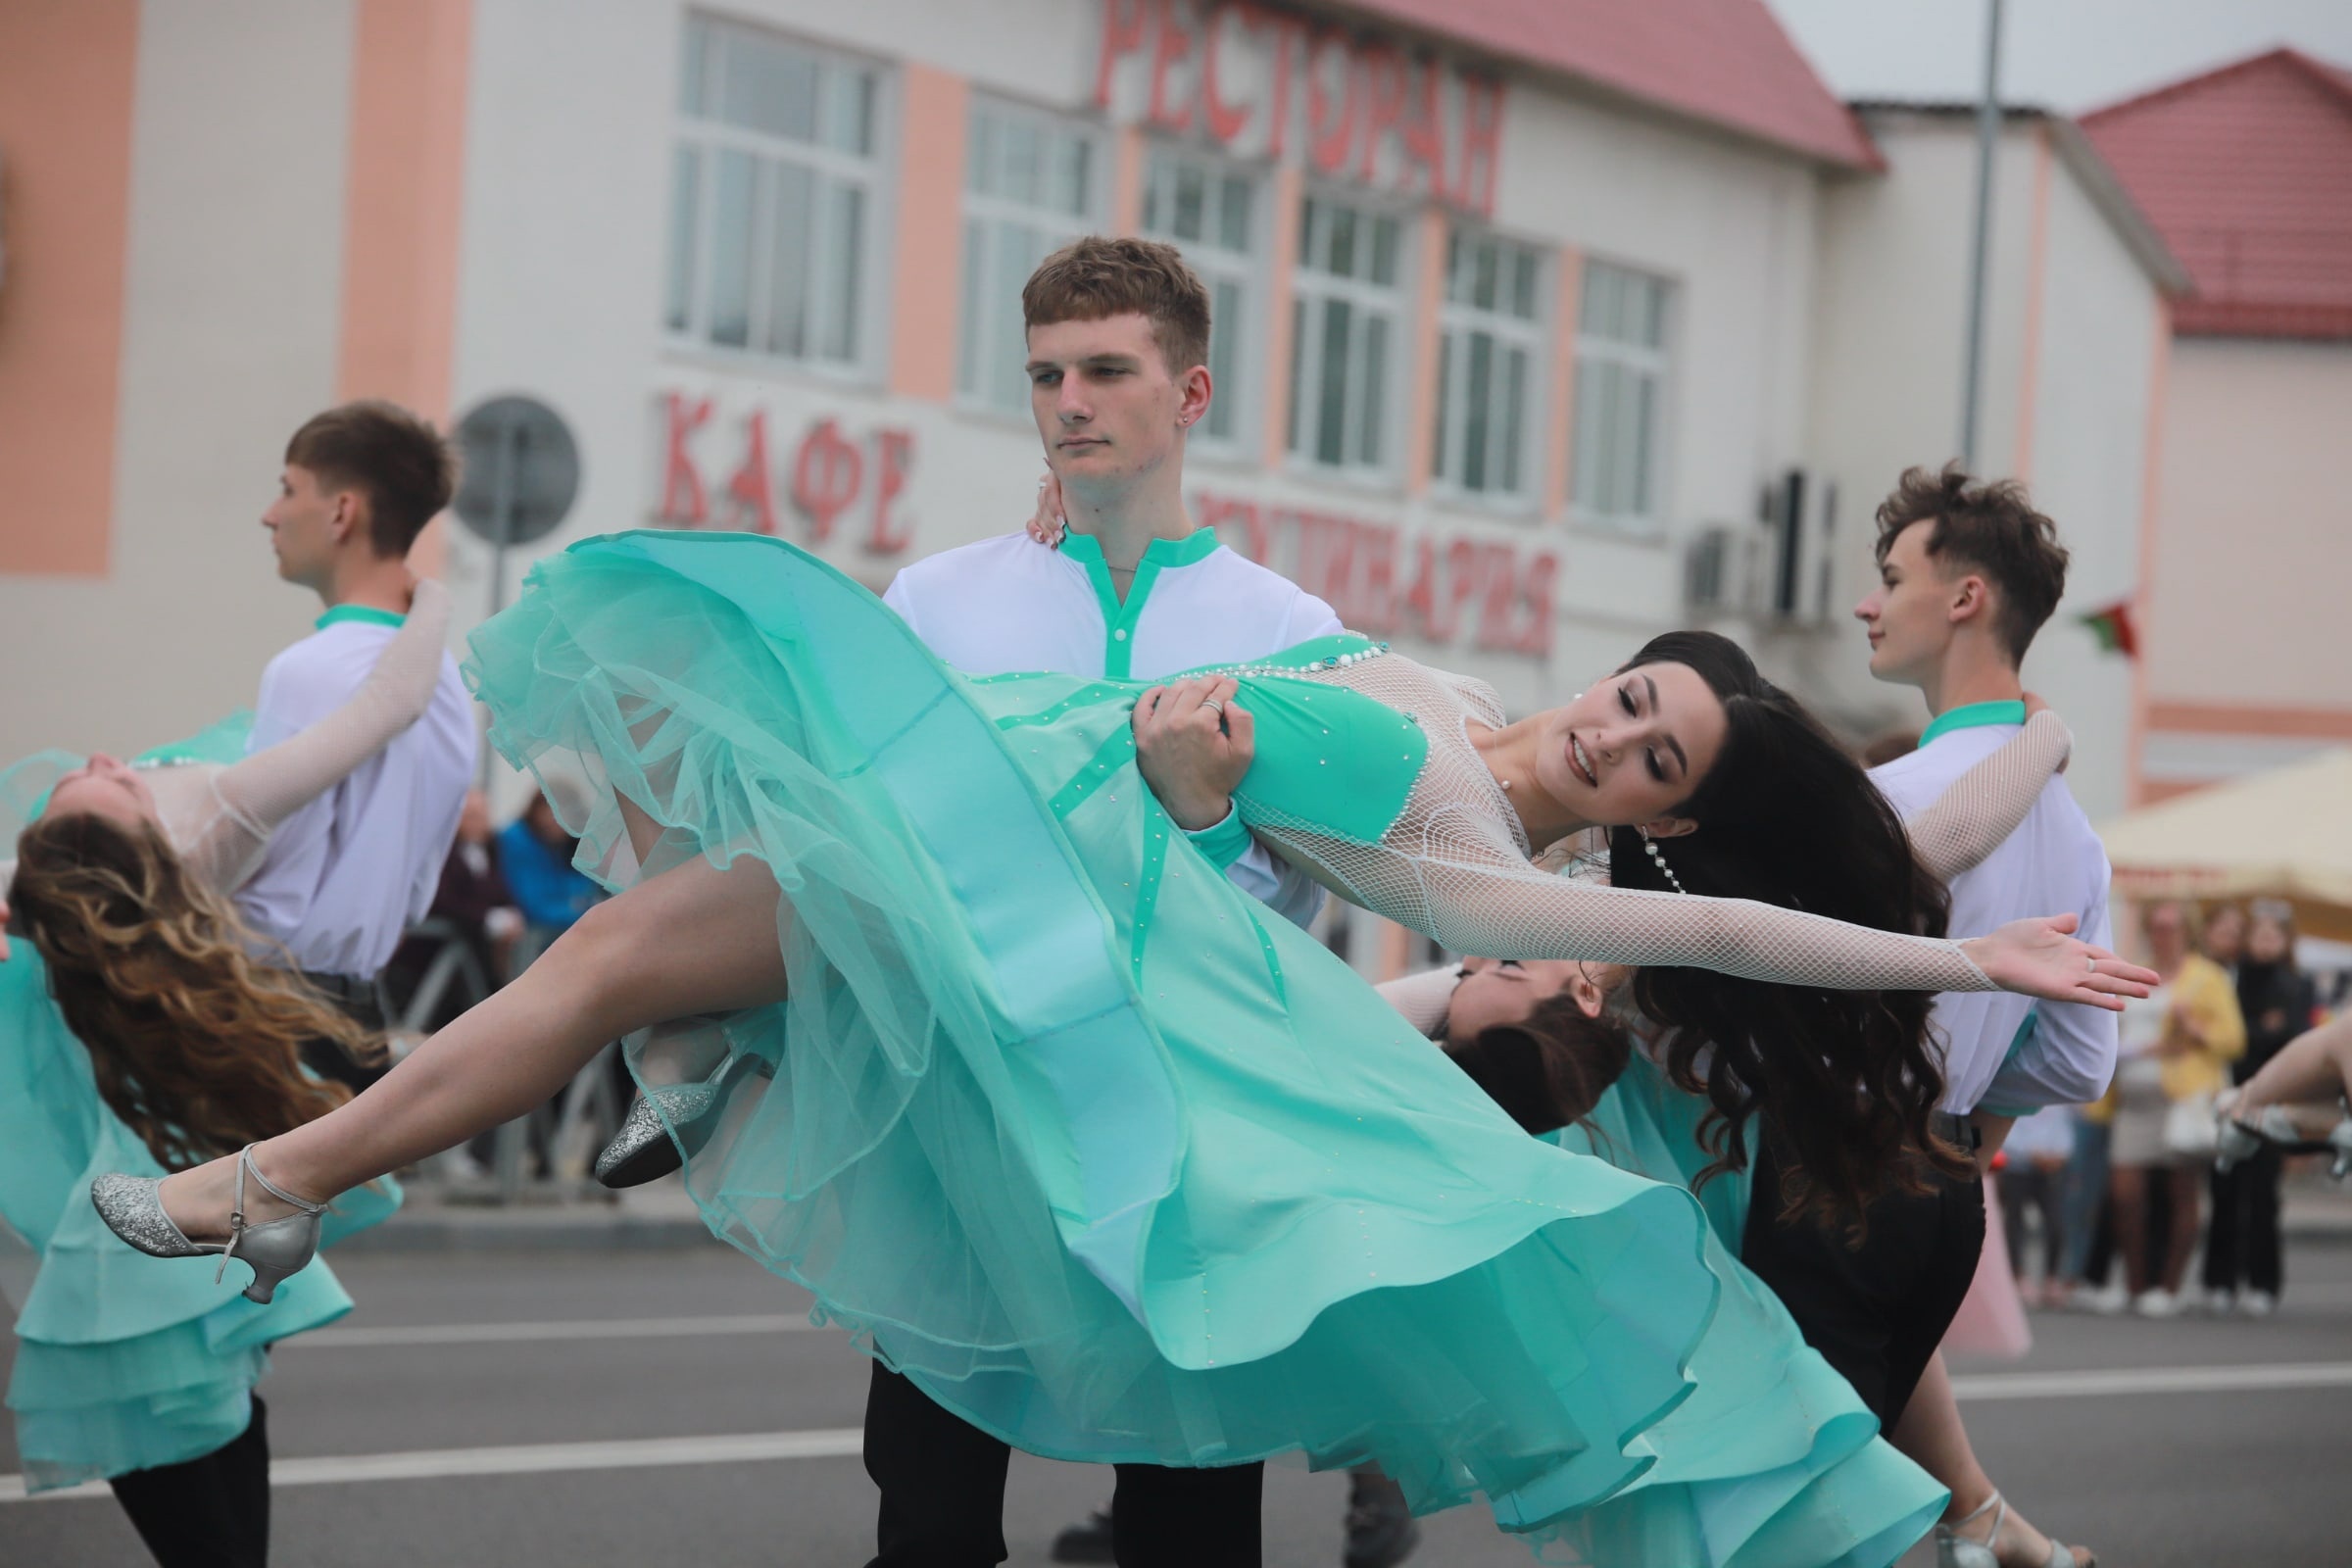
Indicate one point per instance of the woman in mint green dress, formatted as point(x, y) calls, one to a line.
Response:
point(1109, 1161)
point(137, 1035)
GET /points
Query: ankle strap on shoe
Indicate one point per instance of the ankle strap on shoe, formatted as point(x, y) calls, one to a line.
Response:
point(246, 1166)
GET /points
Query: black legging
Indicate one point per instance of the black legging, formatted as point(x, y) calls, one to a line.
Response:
point(942, 1495)
point(206, 1512)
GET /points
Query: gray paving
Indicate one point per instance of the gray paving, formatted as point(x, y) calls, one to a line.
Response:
point(2153, 1480)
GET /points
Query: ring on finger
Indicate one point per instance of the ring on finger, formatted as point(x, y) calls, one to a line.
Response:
point(1212, 705)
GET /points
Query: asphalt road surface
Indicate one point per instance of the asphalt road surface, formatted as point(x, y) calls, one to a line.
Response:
point(611, 1410)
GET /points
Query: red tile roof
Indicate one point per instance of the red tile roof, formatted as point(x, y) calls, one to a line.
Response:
point(2247, 173)
point(1725, 61)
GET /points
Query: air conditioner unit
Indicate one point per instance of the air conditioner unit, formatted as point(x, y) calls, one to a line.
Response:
point(1715, 570)
point(1799, 512)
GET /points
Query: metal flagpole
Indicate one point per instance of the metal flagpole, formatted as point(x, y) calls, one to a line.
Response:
point(1989, 134)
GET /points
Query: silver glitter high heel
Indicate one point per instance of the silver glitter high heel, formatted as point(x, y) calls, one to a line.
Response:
point(133, 1207)
point(643, 1151)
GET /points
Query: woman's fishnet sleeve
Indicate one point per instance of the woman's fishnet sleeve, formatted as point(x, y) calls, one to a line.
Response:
point(1422, 997)
point(263, 790)
point(1985, 805)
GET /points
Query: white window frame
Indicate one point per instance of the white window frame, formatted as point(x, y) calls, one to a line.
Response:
point(832, 168)
point(989, 326)
point(1459, 318)
point(1606, 359)
point(1311, 289)
point(1235, 335)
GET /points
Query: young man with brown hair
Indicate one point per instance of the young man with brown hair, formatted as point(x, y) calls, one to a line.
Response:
point(1118, 349)
point(346, 874)
point(1968, 574)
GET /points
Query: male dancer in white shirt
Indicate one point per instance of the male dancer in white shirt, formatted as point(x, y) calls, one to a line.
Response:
point(346, 874)
point(1119, 344)
point(1968, 574)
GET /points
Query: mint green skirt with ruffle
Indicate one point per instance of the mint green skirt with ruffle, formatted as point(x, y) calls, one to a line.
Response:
point(1107, 1158)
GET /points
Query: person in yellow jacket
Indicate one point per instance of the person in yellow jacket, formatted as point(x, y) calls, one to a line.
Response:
point(2175, 1050)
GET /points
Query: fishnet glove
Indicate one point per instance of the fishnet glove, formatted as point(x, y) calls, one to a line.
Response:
point(1985, 805)
point(222, 832)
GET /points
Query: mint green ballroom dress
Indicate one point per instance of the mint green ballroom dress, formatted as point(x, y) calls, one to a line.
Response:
point(1117, 1166)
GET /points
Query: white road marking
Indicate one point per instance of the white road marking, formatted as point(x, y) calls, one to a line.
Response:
point(1982, 1385)
point(534, 1459)
point(367, 1338)
point(541, 1458)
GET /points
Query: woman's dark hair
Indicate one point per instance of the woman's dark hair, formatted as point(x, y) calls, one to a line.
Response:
point(1549, 1069)
point(1847, 1080)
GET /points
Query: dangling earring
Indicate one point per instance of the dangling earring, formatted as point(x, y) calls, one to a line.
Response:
point(1658, 857)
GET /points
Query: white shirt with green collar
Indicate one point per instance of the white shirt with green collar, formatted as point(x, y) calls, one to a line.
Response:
point(1011, 604)
point(2007, 1054)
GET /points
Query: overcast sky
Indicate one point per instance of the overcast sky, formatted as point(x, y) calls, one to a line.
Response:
point(2072, 55)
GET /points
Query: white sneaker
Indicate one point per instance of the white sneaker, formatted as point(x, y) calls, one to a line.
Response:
point(2158, 1302)
point(2107, 1301)
point(2217, 1303)
point(2257, 1303)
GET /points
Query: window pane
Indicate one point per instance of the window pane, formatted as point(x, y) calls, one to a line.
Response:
point(1482, 285)
point(788, 261)
point(1225, 387)
point(1073, 182)
point(1330, 398)
point(1523, 286)
point(768, 88)
point(970, 373)
point(1653, 321)
point(1023, 156)
point(1342, 241)
point(850, 110)
point(1373, 450)
point(1233, 214)
point(1299, 358)
point(1584, 477)
point(845, 234)
point(1448, 348)
point(1478, 384)
point(1153, 183)
point(980, 157)
point(1310, 236)
point(693, 66)
point(1016, 258)
point(731, 250)
point(1598, 312)
point(1513, 418)
point(685, 207)
point(1383, 250)
point(1644, 416)
point(1190, 198)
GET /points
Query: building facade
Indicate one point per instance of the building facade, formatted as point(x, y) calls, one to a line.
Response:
point(2247, 173)
point(1534, 338)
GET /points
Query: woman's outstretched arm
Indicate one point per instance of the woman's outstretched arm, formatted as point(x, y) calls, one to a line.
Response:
point(1985, 805)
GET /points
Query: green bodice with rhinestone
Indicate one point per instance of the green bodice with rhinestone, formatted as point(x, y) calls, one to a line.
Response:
point(1325, 755)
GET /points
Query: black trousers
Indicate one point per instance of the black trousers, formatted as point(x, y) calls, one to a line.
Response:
point(1876, 1312)
point(206, 1512)
point(942, 1495)
point(2241, 1242)
point(363, 1005)
point(2026, 1186)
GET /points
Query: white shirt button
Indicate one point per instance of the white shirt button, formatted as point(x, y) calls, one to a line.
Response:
point(1120, 635)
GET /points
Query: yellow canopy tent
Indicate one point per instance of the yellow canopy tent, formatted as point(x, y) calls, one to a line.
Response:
point(2284, 834)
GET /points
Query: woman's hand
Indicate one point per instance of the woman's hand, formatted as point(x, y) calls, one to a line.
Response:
point(2040, 957)
point(1046, 523)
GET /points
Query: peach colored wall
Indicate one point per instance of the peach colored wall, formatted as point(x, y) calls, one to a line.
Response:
point(930, 232)
point(2037, 270)
point(1282, 260)
point(1559, 450)
point(1420, 437)
point(405, 194)
point(67, 78)
point(2254, 529)
point(2151, 503)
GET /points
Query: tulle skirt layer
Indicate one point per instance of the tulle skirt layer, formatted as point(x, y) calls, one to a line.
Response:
point(1111, 1162)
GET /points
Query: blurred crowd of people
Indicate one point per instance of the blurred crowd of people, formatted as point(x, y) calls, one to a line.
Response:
point(2105, 1205)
